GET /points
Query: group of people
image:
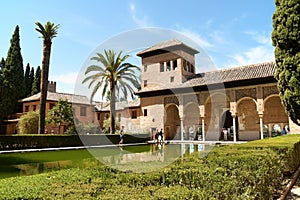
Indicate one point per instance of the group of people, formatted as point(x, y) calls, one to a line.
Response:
point(159, 136)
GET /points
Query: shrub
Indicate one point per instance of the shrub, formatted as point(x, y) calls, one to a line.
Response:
point(28, 123)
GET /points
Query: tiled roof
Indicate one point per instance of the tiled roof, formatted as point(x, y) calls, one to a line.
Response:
point(248, 72)
point(261, 70)
point(55, 96)
point(165, 45)
point(104, 106)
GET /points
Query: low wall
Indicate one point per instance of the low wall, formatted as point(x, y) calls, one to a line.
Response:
point(51, 141)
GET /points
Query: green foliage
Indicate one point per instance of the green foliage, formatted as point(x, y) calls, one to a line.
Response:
point(106, 125)
point(28, 123)
point(13, 76)
point(286, 39)
point(87, 128)
point(36, 81)
point(248, 171)
point(61, 114)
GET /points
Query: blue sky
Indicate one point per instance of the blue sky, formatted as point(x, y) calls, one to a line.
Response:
point(231, 32)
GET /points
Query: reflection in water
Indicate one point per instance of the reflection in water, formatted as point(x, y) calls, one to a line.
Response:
point(140, 158)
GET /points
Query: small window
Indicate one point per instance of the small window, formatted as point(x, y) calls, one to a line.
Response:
point(184, 65)
point(145, 112)
point(34, 108)
point(145, 68)
point(106, 116)
point(133, 114)
point(26, 108)
point(172, 79)
point(98, 116)
point(51, 105)
point(168, 66)
point(82, 111)
point(174, 64)
point(145, 83)
point(162, 67)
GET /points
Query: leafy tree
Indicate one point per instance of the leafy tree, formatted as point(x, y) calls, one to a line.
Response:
point(286, 39)
point(2, 64)
point(48, 32)
point(106, 125)
point(13, 76)
point(28, 123)
point(28, 83)
point(31, 79)
point(115, 76)
point(36, 81)
point(61, 114)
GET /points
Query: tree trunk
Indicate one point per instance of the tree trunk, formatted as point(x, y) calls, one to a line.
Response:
point(44, 84)
point(112, 108)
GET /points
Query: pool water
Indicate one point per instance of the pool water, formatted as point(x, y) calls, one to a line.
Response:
point(137, 158)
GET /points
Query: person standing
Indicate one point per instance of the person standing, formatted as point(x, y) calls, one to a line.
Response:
point(121, 137)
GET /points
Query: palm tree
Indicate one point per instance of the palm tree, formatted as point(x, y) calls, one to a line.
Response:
point(114, 77)
point(48, 32)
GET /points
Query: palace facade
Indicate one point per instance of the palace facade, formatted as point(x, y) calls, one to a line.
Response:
point(240, 103)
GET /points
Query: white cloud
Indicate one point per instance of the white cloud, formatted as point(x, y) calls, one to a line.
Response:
point(197, 38)
point(138, 20)
point(259, 54)
point(65, 82)
point(261, 38)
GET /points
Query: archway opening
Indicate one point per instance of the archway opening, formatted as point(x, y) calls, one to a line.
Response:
point(191, 121)
point(226, 123)
point(214, 109)
point(248, 126)
point(274, 114)
point(172, 123)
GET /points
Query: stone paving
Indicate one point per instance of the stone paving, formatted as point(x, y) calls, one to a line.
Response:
point(295, 191)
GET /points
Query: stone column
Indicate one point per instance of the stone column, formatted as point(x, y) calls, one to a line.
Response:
point(181, 128)
point(202, 115)
point(181, 116)
point(234, 128)
point(261, 126)
point(203, 129)
point(233, 111)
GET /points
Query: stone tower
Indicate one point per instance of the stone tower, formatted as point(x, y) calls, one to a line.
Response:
point(167, 64)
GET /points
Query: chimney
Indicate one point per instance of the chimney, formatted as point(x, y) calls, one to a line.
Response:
point(51, 86)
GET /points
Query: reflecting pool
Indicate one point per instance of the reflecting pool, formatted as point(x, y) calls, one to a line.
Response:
point(133, 158)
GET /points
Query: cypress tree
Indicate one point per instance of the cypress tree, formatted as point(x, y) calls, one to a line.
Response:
point(31, 79)
point(27, 80)
point(36, 82)
point(2, 64)
point(286, 39)
point(13, 76)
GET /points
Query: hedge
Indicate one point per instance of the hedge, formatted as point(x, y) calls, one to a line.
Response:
point(10, 142)
point(254, 170)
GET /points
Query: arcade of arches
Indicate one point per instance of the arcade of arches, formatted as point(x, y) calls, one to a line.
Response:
point(245, 114)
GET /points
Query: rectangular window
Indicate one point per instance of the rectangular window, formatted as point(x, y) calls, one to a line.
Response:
point(168, 66)
point(133, 114)
point(145, 83)
point(162, 67)
point(172, 79)
point(145, 112)
point(82, 111)
point(174, 64)
point(51, 105)
point(34, 108)
point(119, 117)
point(145, 68)
point(98, 116)
point(26, 108)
